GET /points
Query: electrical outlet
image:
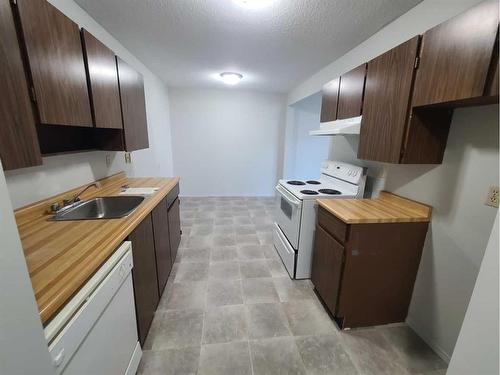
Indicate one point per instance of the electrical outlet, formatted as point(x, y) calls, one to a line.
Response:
point(492, 199)
point(128, 158)
point(108, 160)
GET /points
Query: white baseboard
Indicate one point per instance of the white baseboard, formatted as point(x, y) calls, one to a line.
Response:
point(133, 365)
point(429, 341)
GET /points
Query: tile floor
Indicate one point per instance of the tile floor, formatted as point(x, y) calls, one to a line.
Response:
point(230, 308)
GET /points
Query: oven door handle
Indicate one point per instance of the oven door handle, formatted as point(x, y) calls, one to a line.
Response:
point(289, 197)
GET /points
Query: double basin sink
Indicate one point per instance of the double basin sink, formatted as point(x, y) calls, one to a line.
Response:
point(101, 208)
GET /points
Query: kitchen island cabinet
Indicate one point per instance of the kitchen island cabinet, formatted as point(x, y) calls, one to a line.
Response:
point(366, 256)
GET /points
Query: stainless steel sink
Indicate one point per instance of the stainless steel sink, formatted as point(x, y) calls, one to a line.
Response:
point(101, 208)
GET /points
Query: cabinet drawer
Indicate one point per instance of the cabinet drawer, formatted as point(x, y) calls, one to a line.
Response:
point(332, 224)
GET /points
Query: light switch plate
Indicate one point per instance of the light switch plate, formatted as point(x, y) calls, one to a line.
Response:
point(492, 199)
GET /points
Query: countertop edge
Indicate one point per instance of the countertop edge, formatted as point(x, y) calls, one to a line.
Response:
point(326, 204)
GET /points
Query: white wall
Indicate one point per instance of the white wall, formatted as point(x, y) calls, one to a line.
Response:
point(477, 346)
point(23, 349)
point(227, 143)
point(304, 153)
point(425, 15)
point(63, 172)
point(461, 223)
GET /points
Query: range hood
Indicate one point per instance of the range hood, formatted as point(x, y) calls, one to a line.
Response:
point(339, 127)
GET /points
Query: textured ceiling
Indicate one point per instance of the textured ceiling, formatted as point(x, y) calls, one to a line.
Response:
point(188, 42)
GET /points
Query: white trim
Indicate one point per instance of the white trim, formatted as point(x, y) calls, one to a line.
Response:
point(134, 360)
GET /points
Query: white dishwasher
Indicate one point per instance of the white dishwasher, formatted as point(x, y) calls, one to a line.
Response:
point(96, 333)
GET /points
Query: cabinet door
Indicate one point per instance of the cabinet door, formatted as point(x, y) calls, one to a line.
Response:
point(329, 101)
point(352, 85)
point(327, 267)
point(103, 80)
point(56, 62)
point(133, 107)
point(455, 57)
point(144, 275)
point(162, 244)
point(385, 108)
point(174, 225)
point(18, 139)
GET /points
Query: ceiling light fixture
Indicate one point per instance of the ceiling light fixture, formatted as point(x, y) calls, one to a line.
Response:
point(230, 78)
point(254, 4)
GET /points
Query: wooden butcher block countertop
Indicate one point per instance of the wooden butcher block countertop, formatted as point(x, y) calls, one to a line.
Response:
point(387, 208)
point(62, 255)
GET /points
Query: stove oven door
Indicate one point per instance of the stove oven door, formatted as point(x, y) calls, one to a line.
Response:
point(288, 214)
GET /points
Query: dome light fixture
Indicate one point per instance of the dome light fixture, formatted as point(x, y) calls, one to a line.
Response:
point(231, 78)
point(253, 4)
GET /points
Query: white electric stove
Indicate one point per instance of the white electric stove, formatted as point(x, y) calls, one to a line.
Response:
point(295, 219)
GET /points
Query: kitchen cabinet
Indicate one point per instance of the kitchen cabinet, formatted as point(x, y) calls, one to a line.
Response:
point(174, 225)
point(352, 85)
point(56, 64)
point(144, 276)
point(385, 109)
point(327, 267)
point(456, 56)
point(365, 271)
point(103, 83)
point(329, 100)
point(19, 146)
point(398, 134)
point(162, 244)
point(133, 106)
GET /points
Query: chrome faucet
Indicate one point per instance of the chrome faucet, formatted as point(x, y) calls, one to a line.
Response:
point(76, 198)
point(68, 203)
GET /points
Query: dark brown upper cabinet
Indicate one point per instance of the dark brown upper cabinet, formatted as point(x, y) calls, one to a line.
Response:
point(385, 109)
point(103, 83)
point(329, 101)
point(56, 63)
point(18, 139)
point(390, 131)
point(352, 85)
point(456, 57)
point(133, 106)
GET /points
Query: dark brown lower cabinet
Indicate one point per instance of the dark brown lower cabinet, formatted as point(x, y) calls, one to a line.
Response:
point(174, 224)
point(145, 276)
point(162, 244)
point(327, 267)
point(367, 279)
point(154, 245)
